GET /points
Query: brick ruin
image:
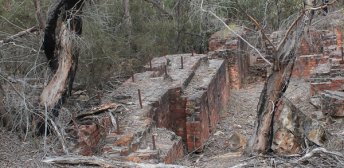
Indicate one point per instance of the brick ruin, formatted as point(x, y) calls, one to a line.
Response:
point(182, 97)
point(324, 68)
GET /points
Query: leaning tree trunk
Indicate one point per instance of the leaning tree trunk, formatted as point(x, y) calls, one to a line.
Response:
point(275, 86)
point(61, 52)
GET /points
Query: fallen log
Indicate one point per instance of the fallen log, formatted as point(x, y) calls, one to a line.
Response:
point(102, 162)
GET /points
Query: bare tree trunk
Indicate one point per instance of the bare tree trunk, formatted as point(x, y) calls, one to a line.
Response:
point(127, 18)
point(39, 16)
point(127, 22)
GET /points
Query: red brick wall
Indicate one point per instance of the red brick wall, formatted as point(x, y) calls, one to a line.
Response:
point(334, 84)
point(218, 96)
point(304, 65)
point(177, 107)
point(311, 43)
point(203, 113)
point(197, 124)
point(237, 64)
point(176, 152)
point(161, 113)
point(90, 135)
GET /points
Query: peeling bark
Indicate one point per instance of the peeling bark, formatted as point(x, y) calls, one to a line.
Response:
point(54, 91)
point(61, 52)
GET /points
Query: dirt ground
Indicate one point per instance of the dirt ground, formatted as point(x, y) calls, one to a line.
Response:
point(239, 118)
point(16, 153)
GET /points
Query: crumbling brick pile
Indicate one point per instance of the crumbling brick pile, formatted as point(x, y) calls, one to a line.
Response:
point(169, 109)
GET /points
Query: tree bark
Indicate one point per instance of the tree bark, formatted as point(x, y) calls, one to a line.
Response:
point(102, 162)
point(39, 16)
point(62, 52)
point(275, 86)
point(127, 18)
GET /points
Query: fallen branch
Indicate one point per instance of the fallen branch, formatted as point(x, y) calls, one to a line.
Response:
point(318, 150)
point(100, 109)
point(229, 155)
point(239, 165)
point(102, 162)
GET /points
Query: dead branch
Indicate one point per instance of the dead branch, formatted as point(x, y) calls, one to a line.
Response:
point(156, 5)
point(300, 16)
point(289, 31)
point(323, 6)
point(100, 109)
point(13, 87)
point(75, 160)
point(260, 28)
point(102, 162)
point(19, 34)
point(319, 150)
point(236, 34)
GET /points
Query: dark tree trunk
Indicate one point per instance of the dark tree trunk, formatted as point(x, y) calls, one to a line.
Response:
point(62, 52)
